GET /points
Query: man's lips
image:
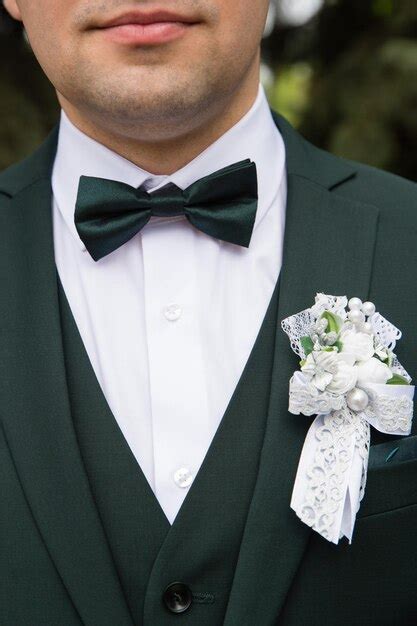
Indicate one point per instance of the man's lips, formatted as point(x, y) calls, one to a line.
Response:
point(147, 17)
point(146, 28)
point(146, 34)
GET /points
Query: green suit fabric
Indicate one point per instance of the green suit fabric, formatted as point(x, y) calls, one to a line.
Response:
point(202, 546)
point(350, 229)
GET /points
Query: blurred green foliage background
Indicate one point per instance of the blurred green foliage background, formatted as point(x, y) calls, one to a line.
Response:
point(343, 71)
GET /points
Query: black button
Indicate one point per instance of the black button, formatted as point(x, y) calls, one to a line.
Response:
point(177, 597)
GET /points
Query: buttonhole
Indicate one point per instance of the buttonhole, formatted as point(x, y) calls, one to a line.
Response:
point(203, 597)
point(391, 454)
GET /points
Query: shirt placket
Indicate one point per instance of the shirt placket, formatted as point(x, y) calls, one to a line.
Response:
point(178, 388)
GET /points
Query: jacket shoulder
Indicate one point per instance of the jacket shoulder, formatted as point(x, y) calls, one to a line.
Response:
point(386, 191)
point(36, 165)
point(14, 177)
point(355, 181)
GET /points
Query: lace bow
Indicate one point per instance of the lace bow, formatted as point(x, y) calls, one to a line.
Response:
point(351, 379)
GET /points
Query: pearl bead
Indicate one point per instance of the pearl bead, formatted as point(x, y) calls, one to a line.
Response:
point(356, 316)
point(357, 399)
point(355, 303)
point(368, 308)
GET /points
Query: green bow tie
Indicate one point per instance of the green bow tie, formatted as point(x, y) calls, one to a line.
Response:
point(109, 213)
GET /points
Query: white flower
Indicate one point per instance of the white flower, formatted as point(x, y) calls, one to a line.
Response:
point(373, 371)
point(317, 368)
point(344, 379)
point(358, 344)
point(324, 302)
point(330, 371)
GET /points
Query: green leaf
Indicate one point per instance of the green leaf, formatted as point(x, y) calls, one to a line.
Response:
point(339, 345)
point(397, 380)
point(307, 344)
point(334, 322)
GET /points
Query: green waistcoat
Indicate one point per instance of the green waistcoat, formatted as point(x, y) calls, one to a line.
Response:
point(349, 230)
point(202, 546)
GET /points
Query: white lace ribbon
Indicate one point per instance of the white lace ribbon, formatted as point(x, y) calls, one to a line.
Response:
point(331, 475)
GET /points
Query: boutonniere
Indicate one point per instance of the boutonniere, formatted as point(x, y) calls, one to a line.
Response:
point(351, 379)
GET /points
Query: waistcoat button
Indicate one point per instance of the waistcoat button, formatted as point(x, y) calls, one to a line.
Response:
point(177, 597)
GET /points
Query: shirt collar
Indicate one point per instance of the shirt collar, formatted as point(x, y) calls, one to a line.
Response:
point(254, 136)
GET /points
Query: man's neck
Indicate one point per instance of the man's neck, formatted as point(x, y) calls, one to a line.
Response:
point(166, 156)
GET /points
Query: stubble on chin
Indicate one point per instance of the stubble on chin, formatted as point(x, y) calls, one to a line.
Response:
point(146, 102)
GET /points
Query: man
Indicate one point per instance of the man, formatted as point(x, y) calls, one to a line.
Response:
point(147, 452)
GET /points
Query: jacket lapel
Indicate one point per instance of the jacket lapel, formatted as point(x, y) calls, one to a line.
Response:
point(35, 405)
point(328, 247)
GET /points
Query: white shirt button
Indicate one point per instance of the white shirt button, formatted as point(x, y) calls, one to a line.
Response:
point(183, 477)
point(172, 312)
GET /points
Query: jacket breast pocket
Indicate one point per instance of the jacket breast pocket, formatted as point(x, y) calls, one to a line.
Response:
point(393, 451)
point(392, 476)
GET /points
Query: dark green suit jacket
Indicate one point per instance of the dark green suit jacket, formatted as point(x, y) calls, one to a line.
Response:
point(350, 229)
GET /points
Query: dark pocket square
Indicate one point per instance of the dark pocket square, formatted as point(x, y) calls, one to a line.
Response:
point(393, 452)
point(392, 476)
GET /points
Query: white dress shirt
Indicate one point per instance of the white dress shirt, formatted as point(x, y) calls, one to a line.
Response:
point(169, 319)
